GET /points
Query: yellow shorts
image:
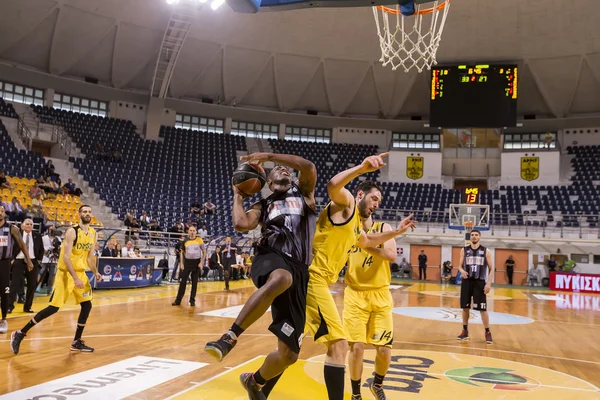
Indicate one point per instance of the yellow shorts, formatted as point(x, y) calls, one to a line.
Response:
point(368, 316)
point(323, 320)
point(64, 285)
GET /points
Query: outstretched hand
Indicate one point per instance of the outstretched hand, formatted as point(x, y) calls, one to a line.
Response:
point(373, 163)
point(256, 157)
point(406, 224)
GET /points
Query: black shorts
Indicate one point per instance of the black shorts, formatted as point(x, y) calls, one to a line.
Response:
point(289, 308)
point(5, 268)
point(473, 288)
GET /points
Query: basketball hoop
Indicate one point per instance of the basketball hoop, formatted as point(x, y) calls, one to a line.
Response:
point(414, 40)
point(468, 226)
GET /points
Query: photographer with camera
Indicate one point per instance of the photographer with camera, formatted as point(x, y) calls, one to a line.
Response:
point(52, 242)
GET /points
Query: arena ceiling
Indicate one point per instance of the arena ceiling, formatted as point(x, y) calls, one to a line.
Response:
point(320, 59)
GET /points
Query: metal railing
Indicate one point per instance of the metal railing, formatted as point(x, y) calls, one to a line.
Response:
point(24, 133)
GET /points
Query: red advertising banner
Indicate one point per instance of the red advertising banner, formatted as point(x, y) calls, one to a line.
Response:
point(579, 283)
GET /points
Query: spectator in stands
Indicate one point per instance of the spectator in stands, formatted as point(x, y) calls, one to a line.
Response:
point(18, 211)
point(116, 155)
point(188, 224)
point(423, 265)
point(196, 208)
point(4, 183)
point(127, 252)
point(144, 219)
point(51, 252)
point(70, 188)
point(203, 233)
point(109, 250)
point(209, 208)
point(49, 170)
point(100, 152)
point(179, 227)
point(239, 266)
point(36, 192)
point(119, 250)
point(136, 253)
point(215, 262)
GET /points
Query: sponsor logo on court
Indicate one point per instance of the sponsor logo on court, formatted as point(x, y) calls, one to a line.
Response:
point(530, 168)
point(441, 375)
point(229, 312)
point(492, 378)
point(414, 167)
point(455, 315)
point(114, 381)
point(457, 295)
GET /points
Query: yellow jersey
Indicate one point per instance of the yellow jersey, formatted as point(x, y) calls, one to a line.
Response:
point(366, 272)
point(84, 242)
point(331, 244)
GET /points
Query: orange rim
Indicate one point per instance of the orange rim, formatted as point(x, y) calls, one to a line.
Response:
point(425, 11)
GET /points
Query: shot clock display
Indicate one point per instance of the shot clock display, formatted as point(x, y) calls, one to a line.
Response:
point(470, 195)
point(474, 96)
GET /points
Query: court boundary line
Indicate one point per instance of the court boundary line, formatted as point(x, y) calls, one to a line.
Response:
point(499, 351)
point(270, 335)
point(198, 384)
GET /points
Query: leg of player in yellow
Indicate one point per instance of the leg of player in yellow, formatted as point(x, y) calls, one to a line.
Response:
point(77, 254)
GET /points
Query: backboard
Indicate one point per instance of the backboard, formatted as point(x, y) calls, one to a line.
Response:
point(465, 217)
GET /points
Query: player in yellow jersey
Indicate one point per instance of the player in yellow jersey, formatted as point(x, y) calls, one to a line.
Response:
point(368, 306)
point(76, 255)
point(339, 228)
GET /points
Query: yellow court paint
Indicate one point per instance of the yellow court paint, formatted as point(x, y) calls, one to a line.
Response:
point(427, 374)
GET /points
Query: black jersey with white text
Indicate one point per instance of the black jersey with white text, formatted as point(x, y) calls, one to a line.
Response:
point(288, 224)
point(475, 262)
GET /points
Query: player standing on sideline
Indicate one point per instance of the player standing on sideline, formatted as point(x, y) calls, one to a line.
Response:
point(76, 254)
point(339, 228)
point(368, 305)
point(280, 267)
point(8, 233)
point(475, 266)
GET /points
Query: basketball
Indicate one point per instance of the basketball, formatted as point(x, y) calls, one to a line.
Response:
point(249, 178)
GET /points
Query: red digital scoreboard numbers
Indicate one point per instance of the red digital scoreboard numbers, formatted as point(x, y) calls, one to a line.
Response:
point(471, 196)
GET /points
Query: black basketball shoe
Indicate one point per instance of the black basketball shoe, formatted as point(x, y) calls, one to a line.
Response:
point(221, 347)
point(254, 391)
point(79, 345)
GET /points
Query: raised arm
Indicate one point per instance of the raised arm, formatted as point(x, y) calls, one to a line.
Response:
point(388, 251)
point(336, 189)
point(307, 178)
point(244, 221)
point(375, 239)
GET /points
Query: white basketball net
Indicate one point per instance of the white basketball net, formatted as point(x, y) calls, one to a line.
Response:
point(413, 41)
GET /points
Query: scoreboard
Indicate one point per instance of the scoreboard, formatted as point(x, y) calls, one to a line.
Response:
point(474, 96)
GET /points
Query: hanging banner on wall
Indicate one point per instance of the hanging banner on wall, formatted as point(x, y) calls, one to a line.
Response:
point(530, 168)
point(414, 167)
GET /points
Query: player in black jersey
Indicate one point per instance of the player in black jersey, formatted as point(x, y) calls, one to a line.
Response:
point(475, 266)
point(280, 266)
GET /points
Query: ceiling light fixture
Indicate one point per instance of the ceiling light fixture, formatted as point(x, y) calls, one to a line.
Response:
point(216, 4)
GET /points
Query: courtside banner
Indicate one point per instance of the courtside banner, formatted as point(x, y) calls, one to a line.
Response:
point(578, 283)
point(125, 272)
point(113, 381)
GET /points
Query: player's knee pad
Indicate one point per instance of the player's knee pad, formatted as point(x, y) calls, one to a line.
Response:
point(45, 313)
point(86, 307)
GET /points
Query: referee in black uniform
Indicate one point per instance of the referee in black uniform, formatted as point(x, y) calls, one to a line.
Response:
point(192, 257)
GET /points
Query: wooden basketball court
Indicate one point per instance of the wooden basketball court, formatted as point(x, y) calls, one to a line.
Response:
point(545, 346)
